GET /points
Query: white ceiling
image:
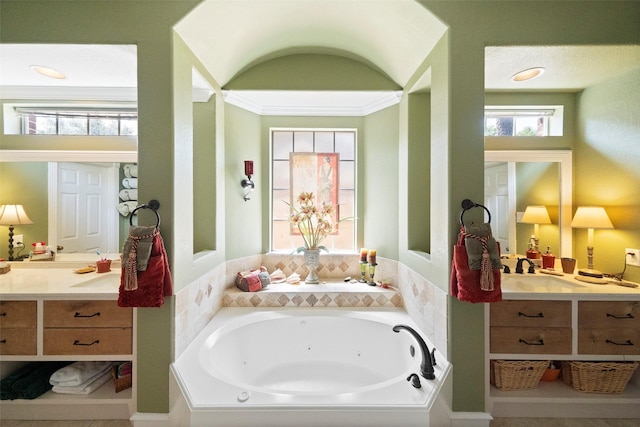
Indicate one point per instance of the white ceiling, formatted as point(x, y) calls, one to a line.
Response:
point(230, 36)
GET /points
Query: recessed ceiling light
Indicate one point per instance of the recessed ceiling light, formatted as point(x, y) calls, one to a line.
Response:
point(49, 72)
point(527, 74)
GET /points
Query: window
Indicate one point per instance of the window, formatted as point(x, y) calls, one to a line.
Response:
point(523, 121)
point(78, 122)
point(331, 147)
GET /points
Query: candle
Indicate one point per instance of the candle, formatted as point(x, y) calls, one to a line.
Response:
point(248, 167)
point(372, 256)
point(363, 255)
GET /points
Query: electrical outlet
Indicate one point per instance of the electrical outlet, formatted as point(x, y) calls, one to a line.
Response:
point(18, 239)
point(632, 257)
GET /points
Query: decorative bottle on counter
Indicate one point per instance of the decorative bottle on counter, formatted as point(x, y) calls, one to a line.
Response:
point(532, 252)
point(548, 259)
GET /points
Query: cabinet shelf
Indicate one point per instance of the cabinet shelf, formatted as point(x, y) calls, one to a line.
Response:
point(106, 394)
point(58, 321)
point(559, 392)
point(555, 399)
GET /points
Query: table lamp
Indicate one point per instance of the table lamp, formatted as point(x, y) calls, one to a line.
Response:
point(11, 215)
point(590, 217)
point(536, 215)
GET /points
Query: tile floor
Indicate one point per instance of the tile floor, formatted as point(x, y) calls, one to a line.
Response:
point(88, 423)
point(498, 422)
point(564, 422)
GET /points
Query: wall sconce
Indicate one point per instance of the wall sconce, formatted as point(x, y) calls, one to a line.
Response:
point(11, 215)
point(247, 184)
point(590, 217)
point(536, 215)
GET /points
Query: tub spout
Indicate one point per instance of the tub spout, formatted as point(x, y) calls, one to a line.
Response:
point(426, 367)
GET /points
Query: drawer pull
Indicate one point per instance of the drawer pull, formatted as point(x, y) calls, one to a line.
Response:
point(3, 314)
point(540, 342)
point(3, 341)
point(626, 316)
point(86, 315)
point(627, 342)
point(530, 315)
point(77, 342)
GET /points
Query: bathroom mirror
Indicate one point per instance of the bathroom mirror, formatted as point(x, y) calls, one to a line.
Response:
point(504, 220)
point(39, 170)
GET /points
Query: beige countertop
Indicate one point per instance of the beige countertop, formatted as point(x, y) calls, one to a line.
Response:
point(58, 282)
point(546, 286)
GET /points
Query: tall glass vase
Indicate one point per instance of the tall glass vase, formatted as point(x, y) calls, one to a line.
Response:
point(312, 261)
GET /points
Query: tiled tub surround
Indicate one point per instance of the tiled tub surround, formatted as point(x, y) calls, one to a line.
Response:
point(197, 303)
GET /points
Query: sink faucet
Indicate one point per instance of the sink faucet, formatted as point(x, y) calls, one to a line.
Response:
point(531, 269)
point(428, 358)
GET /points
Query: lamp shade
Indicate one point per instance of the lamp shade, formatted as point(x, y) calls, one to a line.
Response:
point(536, 215)
point(591, 217)
point(13, 215)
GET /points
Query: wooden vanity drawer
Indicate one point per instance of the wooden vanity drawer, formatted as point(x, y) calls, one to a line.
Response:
point(609, 314)
point(608, 341)
point(82, 314)
point(528, 313)
point(505, 339)
point(18, 341)
point(87, 341)
point(18, 314)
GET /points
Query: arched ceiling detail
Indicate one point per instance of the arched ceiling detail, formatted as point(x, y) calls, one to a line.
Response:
point(228, 36)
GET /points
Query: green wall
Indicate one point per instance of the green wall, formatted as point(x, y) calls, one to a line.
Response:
point(25, 183)
point(607, 169)
point(456, 141)
point(538, 184)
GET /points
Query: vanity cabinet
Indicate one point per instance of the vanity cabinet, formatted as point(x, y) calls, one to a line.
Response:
point(610, 327)
point(531, 327)
point(572, 327)
point(48, 329)
point(86, 328)
point(18, 322)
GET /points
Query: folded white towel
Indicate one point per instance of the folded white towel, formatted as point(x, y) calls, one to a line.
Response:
point(125, 208)
point(130, 171)
point(78, 372)
point(130, 182)
point(87, 387)
point(128, 194)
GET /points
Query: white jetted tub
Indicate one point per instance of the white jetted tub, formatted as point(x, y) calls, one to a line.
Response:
point(306, 367)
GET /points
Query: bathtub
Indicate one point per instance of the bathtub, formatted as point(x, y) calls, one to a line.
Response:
point(311, 367)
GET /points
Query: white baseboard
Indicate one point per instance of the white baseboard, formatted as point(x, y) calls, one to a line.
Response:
point(140, 419)
point(470, 419)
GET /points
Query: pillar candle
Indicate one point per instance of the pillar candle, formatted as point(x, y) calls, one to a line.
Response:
point(363, 255)
point(248, 167)
point(372, 256)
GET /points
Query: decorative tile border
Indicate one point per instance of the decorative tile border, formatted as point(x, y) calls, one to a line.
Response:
point(322, 295)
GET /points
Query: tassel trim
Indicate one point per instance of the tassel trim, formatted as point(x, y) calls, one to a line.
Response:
point(486, 275)
point(131, 263)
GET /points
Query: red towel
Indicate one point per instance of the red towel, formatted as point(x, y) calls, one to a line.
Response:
point(154, 283)
point(466, 283)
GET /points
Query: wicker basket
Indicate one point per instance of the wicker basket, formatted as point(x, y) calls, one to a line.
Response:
point(517, 374)
point(121, 383)
point(598, 377)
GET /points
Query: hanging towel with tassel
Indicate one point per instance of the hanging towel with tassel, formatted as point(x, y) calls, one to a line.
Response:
point(475, 269)
point(146, 278)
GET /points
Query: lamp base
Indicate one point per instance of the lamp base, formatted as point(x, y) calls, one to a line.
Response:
point(589, 272)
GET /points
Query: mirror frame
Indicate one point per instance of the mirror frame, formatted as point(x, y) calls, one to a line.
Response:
point(565, 160)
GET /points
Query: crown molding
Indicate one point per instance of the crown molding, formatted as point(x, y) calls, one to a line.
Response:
point(310, 107)
point(68, 156)
point(58, 93)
